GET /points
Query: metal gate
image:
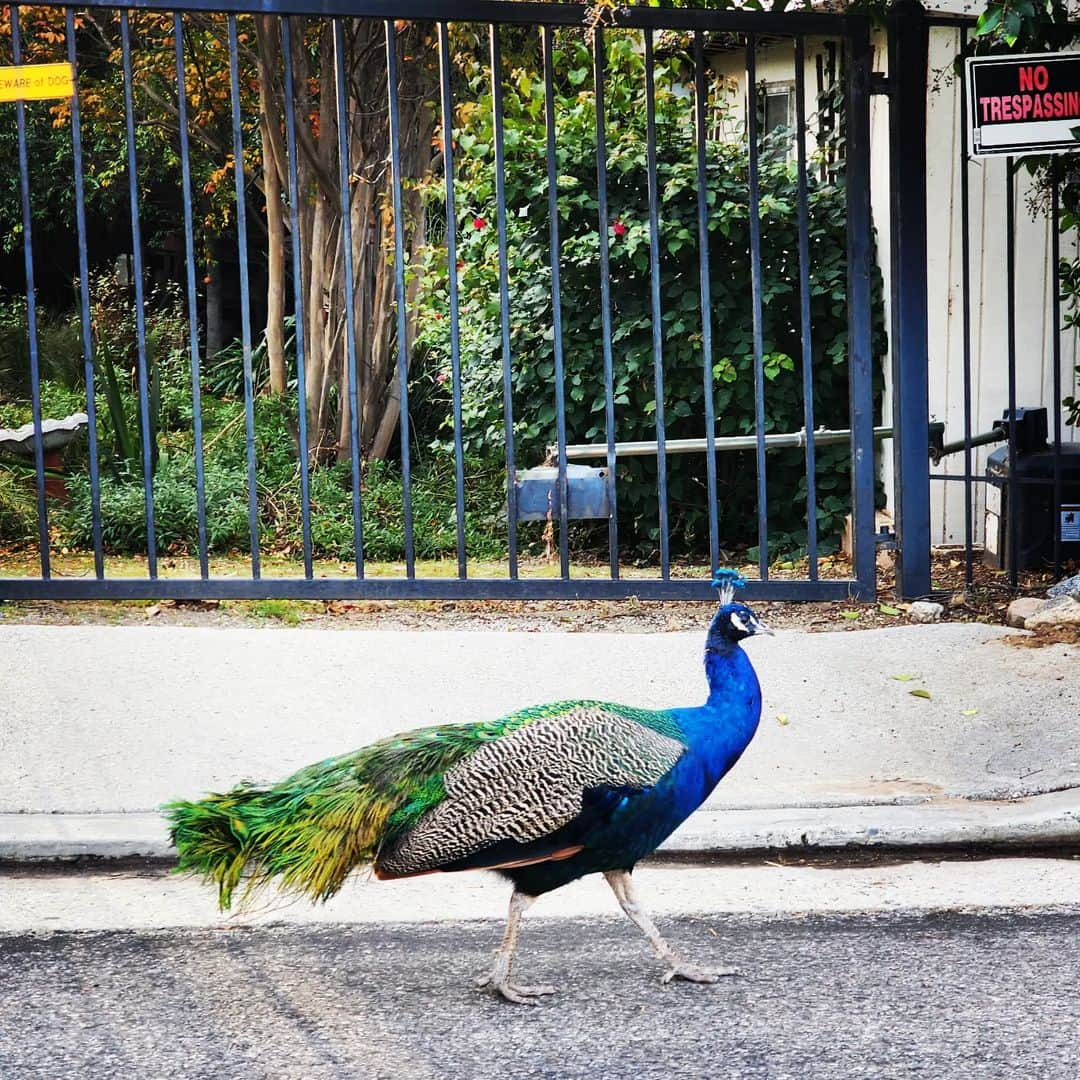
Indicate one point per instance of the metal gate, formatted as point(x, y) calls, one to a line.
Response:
point(690, 50)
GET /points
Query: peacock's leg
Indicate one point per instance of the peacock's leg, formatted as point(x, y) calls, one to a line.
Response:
point(497, 980)
point(622, 885)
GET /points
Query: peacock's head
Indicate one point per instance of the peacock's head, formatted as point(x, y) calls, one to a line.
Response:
point(733, 623)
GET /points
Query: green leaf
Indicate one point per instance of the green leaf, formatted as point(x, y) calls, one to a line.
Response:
point(849, 614)
point(904, 678)
point(887, 609)
point(920, 693)
point(969, 712)
point(988, 20)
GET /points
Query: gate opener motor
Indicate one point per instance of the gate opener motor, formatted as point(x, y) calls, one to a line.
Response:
point(1038, 514)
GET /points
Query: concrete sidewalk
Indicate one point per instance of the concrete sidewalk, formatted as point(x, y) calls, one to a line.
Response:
point(99, 725)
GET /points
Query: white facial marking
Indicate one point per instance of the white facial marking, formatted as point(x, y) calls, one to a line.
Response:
point(739, 625)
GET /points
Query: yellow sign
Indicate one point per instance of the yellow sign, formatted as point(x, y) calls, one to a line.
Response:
point(34, 82)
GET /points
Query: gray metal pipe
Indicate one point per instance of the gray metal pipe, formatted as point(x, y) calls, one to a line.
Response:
point(822, 437)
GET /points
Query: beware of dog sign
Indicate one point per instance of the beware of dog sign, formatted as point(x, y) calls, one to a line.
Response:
point(36, 82)
point(1023, 104)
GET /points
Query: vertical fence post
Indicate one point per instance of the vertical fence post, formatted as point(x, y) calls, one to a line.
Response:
point(908, 57)
point(860, 309)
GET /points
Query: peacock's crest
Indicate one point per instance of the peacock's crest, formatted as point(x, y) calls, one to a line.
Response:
point(726, 581)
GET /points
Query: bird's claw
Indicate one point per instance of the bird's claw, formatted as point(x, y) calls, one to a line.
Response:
point(519, 995)
point(692, 973)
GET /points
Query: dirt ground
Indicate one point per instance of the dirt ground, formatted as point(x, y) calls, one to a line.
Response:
point(986, 601)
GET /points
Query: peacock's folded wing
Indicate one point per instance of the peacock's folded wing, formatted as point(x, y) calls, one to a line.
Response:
point(525, 796)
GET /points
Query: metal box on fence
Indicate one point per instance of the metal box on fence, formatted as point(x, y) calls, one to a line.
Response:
point(538, 493)
point(1038, 514)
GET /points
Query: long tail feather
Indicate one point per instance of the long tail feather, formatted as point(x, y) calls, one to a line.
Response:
point(312, 830)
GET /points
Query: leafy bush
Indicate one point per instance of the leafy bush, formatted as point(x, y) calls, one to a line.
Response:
point(532, 334)
point(18, 503)
point(123, 511)
point(60, 350)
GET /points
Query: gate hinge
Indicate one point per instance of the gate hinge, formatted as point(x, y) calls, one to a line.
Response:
point(886, 539)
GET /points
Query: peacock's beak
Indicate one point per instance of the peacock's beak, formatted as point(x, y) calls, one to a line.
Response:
point(760, 628)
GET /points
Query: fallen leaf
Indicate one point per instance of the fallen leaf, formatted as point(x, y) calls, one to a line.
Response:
point(849, 614)
point(969, 712)
point(885, 609)
point(920, 693)
point(904, 678)
point(154, 609)
point(782, 719)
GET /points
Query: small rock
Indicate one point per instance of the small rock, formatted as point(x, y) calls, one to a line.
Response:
point(1060, 611)
point(1021, 609)
point(1069, 586)
point(925, 611)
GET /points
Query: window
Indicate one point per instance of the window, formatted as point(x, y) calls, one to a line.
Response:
point(778, 106)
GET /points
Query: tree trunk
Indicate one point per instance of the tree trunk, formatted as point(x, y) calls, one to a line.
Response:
point(267, 33)
point(320, 304)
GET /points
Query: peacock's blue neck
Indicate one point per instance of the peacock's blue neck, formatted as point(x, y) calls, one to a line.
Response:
point(727, 721)
point(730, 675)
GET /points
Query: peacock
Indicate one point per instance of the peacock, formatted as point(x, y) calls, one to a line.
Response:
point(543, 796)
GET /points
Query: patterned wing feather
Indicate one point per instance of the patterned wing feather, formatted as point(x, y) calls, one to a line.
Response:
point(529, 783)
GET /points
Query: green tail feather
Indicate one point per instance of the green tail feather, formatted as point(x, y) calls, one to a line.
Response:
point(311, 830)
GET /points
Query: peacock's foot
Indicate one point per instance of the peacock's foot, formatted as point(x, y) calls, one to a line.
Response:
point(498, 982)
point(692, 973)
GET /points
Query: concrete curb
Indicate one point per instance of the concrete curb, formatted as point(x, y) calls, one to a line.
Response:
point(1039, 820)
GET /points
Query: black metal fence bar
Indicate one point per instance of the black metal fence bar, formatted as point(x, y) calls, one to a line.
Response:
point(1012, 487)
point(522, 14)
point(1055, 330)
point(295, 242)
point(546, 47)
point(859, 309)
point(192, 294)
point(447, 103)
point(380, 588)
point(400, 295)
point(345, 192)
point(599, 69)
point(755, 288)
point(701, 109)
point(504, 295)
point(805, 325)
point(145, 430)
point(654, 298)
point(965, 318)
point(245, 299)
point(31, 313)
point(84, 304)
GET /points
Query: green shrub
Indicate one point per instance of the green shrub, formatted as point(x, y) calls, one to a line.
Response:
point(123, 511)
point(18, 503)
point(532, 336)
point(60, 350)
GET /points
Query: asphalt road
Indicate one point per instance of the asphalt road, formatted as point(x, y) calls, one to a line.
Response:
point(934, 995)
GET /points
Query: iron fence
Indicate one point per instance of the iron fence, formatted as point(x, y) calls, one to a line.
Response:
point(699, 30)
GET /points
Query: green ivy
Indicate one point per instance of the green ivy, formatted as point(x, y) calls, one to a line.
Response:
point(531, 319)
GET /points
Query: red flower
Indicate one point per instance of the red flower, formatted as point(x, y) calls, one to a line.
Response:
point(461, 264)
point(479, 223)
point(441, 377)
point(619, 228)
